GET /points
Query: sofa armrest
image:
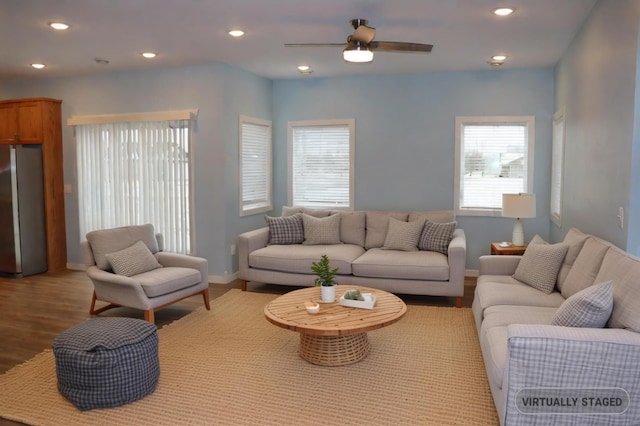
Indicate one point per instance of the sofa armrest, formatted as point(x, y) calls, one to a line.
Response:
point(457, 255)
point(249, 242)
point(498, 265)
point(546, 356)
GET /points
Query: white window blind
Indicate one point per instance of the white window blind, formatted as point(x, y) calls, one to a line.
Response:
point(133, 173)
point(321, 164)
point(557, 161)
point(494, 155)
point(255, 166)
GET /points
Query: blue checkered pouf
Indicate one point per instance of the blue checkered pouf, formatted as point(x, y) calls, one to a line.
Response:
point(107, 362)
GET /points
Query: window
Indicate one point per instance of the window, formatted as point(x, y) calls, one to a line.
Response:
point(255, 166)
point(494, 155)
point(135, 169)
point(557, 159)
point(321, 163)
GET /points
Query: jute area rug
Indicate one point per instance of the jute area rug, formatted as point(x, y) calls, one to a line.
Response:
point(229, 366)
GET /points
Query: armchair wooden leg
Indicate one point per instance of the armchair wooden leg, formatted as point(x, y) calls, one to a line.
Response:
point(243, 285)
point(94, 311)
point(458, 302)
point(205, 296)
point(149, 315)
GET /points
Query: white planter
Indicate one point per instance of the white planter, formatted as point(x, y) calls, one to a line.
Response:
point(328, 293)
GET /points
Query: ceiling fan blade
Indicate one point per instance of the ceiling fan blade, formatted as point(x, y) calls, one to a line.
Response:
point(315, 44)
point(363, 34)
point(397, 46)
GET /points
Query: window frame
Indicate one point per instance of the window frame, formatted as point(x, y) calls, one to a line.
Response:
point(347, 122)
point(460, 122)
point(267, 205)
point(557, 168)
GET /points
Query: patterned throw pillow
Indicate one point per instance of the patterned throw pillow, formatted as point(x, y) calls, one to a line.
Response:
point(437, 236)
point(540, 264)
point(285, 230)
point(324, 230)
point(133, 260)
point(403, 235)
point(589, 308)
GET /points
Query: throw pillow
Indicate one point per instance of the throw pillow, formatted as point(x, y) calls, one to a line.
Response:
point(437, 236)
point(403, 235)
point(590, 307)
point(324, 230)
point(133, 260)
point(540, 264)
point(285, 230)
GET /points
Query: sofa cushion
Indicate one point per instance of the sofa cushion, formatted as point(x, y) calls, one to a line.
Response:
point(494, 290)
point(585, 268)
point(589, 308)
point(285, 230)
point(626, 300)
point(133, 260)
point(494, 334)
point(540, 265)
point(403, 236)
point(352, 227)
point(377, 223)
point(439, 216)
point(105, 241)
point(437, 236)
point(167, 280)
point(575, 240)
point(297, 258)
point(290, 211)
point(416, 265)
point(324, 230)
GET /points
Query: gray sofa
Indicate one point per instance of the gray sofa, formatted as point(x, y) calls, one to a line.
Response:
point(565, 343)
point(357, 250)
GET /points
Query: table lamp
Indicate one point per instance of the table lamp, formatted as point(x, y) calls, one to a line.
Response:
point(518, 206)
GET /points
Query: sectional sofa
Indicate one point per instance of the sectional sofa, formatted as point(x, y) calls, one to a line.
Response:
point(559, 330)
point(401, 252)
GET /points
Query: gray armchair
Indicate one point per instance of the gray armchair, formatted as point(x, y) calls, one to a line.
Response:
point(128, 268)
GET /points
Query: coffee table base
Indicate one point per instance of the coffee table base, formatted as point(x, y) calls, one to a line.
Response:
point(334, 350)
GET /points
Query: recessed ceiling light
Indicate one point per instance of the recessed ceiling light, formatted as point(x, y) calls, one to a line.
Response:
point(101, 61)
point(504, 11)
point(495, 64)
point(499, 58)
point(236, 33)
point(38, 66)
point(305, 69)
point(58, 26)
point(149, 55)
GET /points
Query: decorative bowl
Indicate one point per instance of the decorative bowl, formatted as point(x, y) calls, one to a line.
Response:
point(312, 307)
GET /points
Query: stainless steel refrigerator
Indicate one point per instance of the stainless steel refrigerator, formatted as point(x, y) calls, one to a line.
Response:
point(23, 241)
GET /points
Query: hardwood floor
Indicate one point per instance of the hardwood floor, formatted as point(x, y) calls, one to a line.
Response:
point(35, 309)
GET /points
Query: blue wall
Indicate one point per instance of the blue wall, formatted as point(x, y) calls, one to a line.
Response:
point(597, 85)
point(404, 134)
point(405, 142)
point(220, 92)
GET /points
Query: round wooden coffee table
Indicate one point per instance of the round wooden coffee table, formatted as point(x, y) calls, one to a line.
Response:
point(337, 335)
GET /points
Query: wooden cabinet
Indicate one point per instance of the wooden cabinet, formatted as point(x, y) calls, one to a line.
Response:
point(39, 121)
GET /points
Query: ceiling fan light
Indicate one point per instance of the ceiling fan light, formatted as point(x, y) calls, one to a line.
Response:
point(357, 54)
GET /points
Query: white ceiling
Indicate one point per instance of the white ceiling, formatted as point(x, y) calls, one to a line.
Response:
point(465, 34)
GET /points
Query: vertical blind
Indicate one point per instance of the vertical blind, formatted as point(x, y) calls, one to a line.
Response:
point(494, 162)
point(255, 166)
point(321, 166)
point(134, 173)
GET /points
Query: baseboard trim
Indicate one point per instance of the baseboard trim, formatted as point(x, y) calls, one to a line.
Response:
point(471, 273)
point(223, 279)
point(76, 267)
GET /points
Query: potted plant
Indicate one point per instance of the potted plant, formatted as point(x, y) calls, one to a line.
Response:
point(326, 278)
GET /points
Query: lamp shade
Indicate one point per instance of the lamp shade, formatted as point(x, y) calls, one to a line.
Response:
point(519, 205)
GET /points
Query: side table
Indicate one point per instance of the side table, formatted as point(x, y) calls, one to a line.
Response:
point(496, 249)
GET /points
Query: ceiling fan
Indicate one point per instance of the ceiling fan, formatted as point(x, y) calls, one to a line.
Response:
point(360, 45)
